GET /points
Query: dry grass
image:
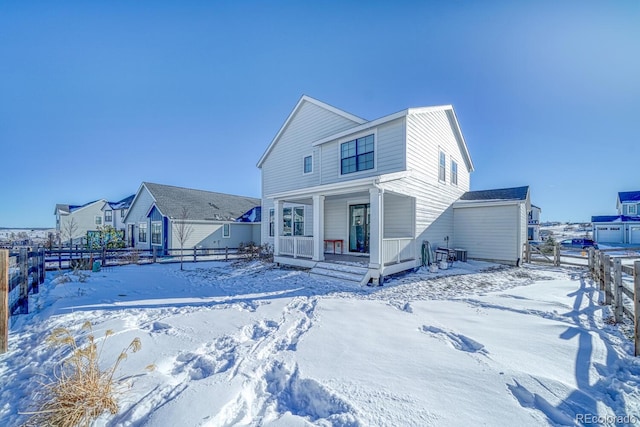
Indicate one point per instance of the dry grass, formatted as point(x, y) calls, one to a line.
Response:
point(80, 391)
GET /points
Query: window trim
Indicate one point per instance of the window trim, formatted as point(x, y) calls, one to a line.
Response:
point(159, 223)
point(442, 166)
point(635, 209)
point(454, 176)
point(110, 215)
point(354, 137)
point(226, 226)
point(304, 159)
point(292, 227)
point(142, 226)
point(272, 222)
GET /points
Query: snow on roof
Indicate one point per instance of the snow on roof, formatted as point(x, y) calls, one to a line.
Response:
point(615, 218)
point(629, 196)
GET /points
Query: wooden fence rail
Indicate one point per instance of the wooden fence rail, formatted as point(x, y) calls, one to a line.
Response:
point(619, 282)
point(20, 274)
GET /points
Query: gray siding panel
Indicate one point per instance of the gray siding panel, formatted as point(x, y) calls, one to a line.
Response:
point(489, 232)
point(282, 170)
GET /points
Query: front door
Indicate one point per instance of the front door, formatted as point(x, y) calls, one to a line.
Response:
point(359, 228)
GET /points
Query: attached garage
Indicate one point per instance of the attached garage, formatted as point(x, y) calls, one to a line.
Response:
point(492, 225)
point(609, 233)
point(634, 234)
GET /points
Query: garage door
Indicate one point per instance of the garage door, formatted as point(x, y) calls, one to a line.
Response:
point(609, 234)
point(634, 234)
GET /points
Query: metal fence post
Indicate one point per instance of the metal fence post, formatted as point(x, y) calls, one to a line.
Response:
point(4, 300)
point(226, 253)
point(195, 254)
point(617, 278)
point(636, 306)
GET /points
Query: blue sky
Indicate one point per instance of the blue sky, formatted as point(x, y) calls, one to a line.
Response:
point(96, 97)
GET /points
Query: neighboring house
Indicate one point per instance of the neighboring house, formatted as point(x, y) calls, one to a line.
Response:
point(216, 220)
point(115, 212)
point(373, 189)
point(622, 228)
point(534, 223)
point(492, 224)
point(73, 221)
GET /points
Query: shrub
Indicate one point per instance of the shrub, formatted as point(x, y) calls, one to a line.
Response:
point(80, 391)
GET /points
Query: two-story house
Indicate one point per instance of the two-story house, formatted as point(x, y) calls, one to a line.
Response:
point(74, 221)
point(115, 212)
point(373, 190)
point(533, 232)
point(622, 228)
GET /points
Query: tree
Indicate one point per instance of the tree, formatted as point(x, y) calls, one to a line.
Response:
point(69, 230)
point(182, 230)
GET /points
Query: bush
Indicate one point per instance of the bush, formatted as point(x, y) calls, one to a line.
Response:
point(80, 391)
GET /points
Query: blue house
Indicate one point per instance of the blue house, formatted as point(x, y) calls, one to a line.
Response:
point(622, 228)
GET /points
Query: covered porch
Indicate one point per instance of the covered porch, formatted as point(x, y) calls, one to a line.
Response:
point(365, 226)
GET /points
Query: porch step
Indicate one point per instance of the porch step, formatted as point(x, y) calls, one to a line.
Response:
point(346, 273)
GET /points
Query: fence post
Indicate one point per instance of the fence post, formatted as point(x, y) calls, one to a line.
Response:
point(606, 274)
point(24, 281)
point(619, 307)
point(636, 306)
point(104, 256)
point(591, 252)
point(195, 254)
point(60, 259)
point(528, 250)
point(601, 270)
point(155, 253)
point(43, 271)
point(4, 300)
point(556, 255)
point(226, 253)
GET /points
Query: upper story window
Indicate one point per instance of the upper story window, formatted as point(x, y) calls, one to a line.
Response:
point(142, 233)
point(454, 173)
point(632, 209)
point(308, 164)
point(442, 171)
point(123, 213)
point(271, 222)
point(108, 216)
point(357, 155)
point(98, 220)
point(226, 230)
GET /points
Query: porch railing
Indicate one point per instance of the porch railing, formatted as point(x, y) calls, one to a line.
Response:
point(395, 251)
point(296, 246)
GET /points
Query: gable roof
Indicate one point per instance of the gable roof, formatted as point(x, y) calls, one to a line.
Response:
point(516, 193)
point(122, 204)
point(615, 218)
point(202, 205)
point(629, 196)
point(303, 99)
point(67, 209)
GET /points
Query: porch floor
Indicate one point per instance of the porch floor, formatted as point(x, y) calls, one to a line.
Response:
point(347, 259)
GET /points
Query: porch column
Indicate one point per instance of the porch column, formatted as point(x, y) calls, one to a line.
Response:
point(277, 225)
point(376, 227)
point(318, 228)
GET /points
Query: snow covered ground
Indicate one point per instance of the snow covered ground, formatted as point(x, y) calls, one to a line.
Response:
point(247, 343)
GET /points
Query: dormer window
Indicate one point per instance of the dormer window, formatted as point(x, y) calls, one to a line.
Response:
point(108, 216)
point(357, 155)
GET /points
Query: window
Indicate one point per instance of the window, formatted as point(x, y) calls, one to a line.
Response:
point(98, 220)
point(272, 222)
point(123, 213)
point(226, 230)
point(633, 210)
point(108, 216)
point(356, 155)
point(156, 233)
point(308, 164)
point(293, 221)
point(442, 174)
point(142, 233)
point(454, 173)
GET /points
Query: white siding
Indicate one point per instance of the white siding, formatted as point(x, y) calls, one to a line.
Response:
point(84, 220)
point(427, 134)
point(389, 155)
point(398, 216)
point(492, 233)
point(282, 170)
